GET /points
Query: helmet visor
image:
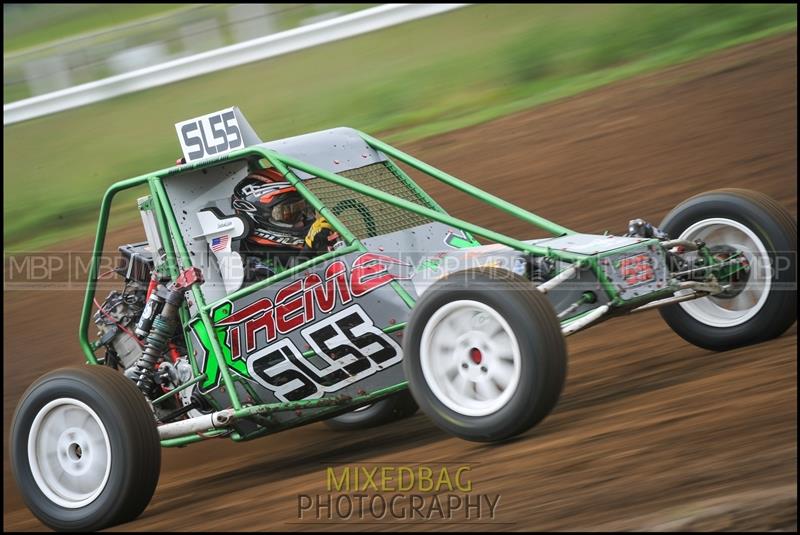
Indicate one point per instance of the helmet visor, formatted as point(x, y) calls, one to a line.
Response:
point(290, 212)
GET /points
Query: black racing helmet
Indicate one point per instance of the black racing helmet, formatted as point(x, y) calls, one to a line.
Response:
point(278, 215)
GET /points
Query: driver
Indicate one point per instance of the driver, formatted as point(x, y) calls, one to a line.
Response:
point(284, 228)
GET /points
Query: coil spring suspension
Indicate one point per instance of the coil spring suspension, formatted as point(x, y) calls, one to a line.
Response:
point(164, 325)
point(156, 344)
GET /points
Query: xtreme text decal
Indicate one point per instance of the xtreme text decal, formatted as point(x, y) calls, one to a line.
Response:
point(349, 345)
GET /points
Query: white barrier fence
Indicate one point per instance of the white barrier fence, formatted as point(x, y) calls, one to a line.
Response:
point(222, 58)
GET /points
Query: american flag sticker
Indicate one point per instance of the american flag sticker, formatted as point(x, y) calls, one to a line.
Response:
point(220, 243)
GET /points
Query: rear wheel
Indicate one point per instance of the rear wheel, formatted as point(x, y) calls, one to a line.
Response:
point(85, 450)
point(484, 355)
point(395, 407)
point(763, 304)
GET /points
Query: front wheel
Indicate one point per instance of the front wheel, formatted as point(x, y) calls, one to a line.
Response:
point(484, 355)
point(85, 450)
point(763, 304)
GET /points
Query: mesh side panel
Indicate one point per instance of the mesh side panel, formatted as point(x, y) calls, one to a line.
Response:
point(362, 215)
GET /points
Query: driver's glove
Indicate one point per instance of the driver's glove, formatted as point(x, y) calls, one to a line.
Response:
point(322, 236)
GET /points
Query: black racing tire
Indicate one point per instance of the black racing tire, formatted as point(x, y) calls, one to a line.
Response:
point(766, 314)
point(390, 409)
point(129, 450)
point(480, 298)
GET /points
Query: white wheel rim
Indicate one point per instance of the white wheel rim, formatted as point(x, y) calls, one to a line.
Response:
point(469, 383)
point(69, 453)
point(736, 310)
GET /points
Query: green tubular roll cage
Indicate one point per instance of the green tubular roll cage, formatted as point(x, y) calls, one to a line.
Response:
point(168, 227)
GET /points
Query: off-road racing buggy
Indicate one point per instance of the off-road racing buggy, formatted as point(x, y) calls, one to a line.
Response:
point(410, 300)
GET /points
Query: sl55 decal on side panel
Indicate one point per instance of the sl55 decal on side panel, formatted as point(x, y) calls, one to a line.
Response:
point(348, 344)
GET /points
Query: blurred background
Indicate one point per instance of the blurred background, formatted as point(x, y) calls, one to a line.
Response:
point(589, 115)
point(50, 46)
point(406, 82)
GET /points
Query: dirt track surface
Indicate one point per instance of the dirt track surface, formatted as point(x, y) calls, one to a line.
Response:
point(650, 433)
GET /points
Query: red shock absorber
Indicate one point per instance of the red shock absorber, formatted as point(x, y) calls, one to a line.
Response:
point(151, 287)
point(173, 352)
point(173, 349)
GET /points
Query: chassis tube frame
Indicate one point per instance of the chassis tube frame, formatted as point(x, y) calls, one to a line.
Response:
point(178, 256)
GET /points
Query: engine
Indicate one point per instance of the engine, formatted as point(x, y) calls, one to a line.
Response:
point(138, 340)
point(116, 319)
